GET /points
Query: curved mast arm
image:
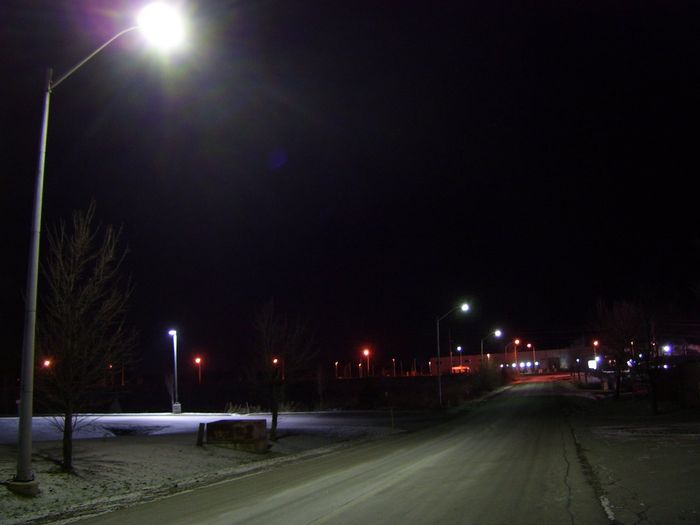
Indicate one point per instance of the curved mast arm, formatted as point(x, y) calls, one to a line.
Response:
point(87, 58)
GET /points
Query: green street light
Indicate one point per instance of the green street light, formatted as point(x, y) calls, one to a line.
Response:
point(152, 21)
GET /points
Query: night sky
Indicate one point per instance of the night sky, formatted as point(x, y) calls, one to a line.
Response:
point(367, 164)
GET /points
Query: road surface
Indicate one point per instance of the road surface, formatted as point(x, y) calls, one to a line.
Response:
point(510, 460)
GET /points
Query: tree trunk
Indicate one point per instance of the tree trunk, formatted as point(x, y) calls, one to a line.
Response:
point(275, 408)
point(67, 465)
point(651, 359)
point(652, 389)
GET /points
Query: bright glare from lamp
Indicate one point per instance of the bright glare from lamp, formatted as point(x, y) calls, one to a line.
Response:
point(172, 332)
point(465, 307)
point(498, 333)
point(162, 25)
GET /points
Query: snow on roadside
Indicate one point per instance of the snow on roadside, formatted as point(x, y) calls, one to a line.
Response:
point(113, 472)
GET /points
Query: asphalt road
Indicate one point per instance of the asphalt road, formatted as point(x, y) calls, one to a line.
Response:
point(510, 460)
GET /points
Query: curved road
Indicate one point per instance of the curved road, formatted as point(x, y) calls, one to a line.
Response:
point(511, 460)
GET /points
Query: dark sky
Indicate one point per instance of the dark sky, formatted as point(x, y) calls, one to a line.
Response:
point(366, 164)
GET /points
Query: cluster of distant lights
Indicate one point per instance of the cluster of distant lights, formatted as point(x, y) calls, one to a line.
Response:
point(666, 349)
point(523, 364)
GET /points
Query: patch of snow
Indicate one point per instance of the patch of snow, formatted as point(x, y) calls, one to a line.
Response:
point(150, 456)
point(607, 508)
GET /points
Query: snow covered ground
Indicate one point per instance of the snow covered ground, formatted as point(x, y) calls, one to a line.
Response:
point(122, 459)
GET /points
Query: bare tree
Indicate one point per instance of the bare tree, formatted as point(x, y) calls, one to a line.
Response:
point(82, 332)
point(628, 325)
point(285, 349)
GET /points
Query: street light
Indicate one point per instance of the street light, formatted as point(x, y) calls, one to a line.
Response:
point(459, 350)
point(595, 348)
point(177, 408)
point(152, 21)
point(162, 25)
point(198, 362)
point(514, 343)
point(495, 333)
point(336, 369)
point(463, 307)
point(277, 362)
point(365, 352)
point(393, 365)
point(532, 345)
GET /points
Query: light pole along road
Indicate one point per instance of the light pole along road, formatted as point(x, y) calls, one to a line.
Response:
point(162, 26)
point(511, 460)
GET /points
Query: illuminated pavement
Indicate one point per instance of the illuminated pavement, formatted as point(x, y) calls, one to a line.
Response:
point(510, 460)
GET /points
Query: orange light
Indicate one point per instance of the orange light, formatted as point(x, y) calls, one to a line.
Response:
point(110, 366)
point(275, 361)
point(47, 363)
point(198, 360)
point(529, 345)
point(595, 343)
point(366, 352)
point(517, 341)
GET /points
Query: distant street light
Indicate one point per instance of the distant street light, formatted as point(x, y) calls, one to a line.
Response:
point(177, 408)
point(495, 333)
point(278, 363)
point(459, 351)
point(47, 363)
point(152, 21)
point(336, 369)
point(198, 362)
point(393, 365)
point(532, 346)
point(595, 348)
point(365, 352)
point(464, 307)
point(514, 343)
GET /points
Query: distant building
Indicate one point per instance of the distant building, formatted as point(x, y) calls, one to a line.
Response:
point(525, 361)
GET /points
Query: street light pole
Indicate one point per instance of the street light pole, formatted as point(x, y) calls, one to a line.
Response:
point(198, 362)
point(24, 481)
point(495, 333)
point(531, 345)
point(177, 408)
point(464, 307)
